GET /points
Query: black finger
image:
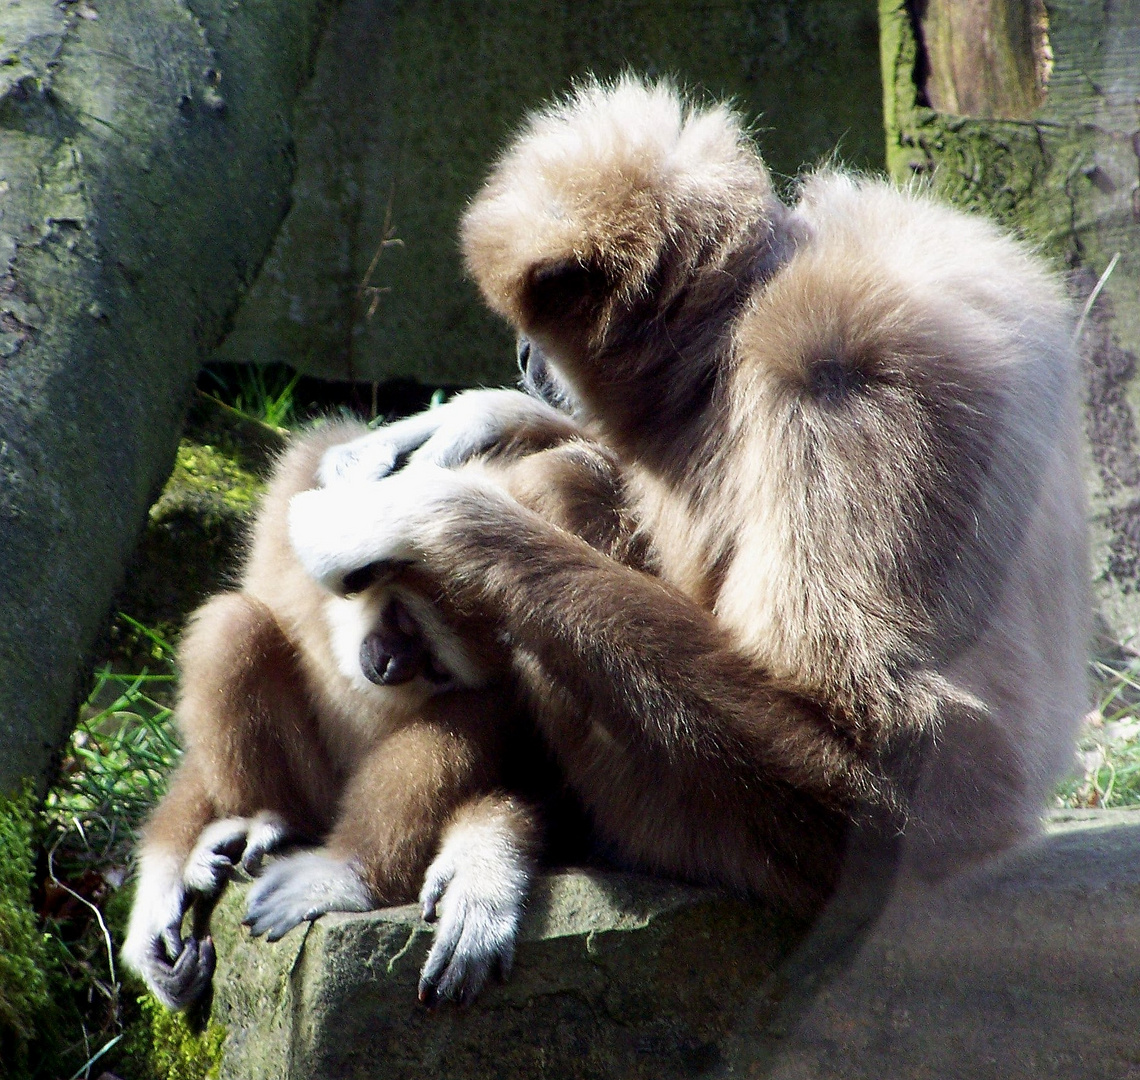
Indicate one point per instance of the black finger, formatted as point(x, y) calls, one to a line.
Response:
point(168, 946)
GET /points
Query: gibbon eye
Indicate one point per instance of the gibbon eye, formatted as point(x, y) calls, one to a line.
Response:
point(831, 380)
point(356, 581)
point(562, 288)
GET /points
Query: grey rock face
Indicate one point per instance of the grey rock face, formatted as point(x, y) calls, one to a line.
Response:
point(411, 102)
point(1025, 969)
point(145, 164)
point(617, 975)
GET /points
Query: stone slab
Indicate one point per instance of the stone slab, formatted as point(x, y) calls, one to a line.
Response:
point(1029, 968)
point(411, 102)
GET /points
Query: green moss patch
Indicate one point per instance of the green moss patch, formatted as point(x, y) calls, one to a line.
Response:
point(171, 1048)
point(195, 530)
point(24, 956)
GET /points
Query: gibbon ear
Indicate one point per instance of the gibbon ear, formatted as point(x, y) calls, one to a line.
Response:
point(562, 290)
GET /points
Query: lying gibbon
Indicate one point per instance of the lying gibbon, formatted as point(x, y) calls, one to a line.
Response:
point(849, 430)
point(371, 724)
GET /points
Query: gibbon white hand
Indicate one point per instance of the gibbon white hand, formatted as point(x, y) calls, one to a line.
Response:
point(448, 435)
point(351, 525)
point(231, 845)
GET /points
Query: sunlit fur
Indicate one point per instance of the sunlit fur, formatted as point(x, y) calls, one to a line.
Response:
point(850, 431)
point(284, 733)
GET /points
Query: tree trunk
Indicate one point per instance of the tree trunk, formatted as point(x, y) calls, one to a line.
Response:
point(1067, 177)
point(145, 160)
point(983, 58)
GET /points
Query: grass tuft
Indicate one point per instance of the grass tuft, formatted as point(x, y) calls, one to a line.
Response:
point(117, 762)
point(1108, 752)
point(262, 393)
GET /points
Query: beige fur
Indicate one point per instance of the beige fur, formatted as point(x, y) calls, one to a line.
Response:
point(849, 431)
point(913, 552)
point(287, 740)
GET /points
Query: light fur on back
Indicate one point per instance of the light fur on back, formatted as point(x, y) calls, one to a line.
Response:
point(850, 427)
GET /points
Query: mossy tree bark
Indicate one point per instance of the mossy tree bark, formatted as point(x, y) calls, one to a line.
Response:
point(1065, 173)
point(145, 164)
point(987, 58)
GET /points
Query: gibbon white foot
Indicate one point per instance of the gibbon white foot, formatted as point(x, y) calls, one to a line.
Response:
point(227, 846)
point(177, 970)
point(474, 892)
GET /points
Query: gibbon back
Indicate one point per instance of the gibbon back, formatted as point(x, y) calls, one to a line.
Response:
point(850, 425)
point(849, 431)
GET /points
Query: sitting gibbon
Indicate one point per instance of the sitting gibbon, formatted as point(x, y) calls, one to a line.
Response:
point(373, 724)
point(849, 431)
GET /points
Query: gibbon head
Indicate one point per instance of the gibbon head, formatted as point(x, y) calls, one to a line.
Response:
point(621, 234)
point(387, 634)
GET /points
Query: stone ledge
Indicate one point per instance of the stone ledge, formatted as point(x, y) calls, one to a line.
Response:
point(1026, 969)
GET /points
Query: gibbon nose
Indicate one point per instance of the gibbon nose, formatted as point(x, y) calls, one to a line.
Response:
point(386, 665)
point(394, 652)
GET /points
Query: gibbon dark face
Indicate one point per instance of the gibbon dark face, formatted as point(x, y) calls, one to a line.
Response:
point(540, 378)
point(398, 650)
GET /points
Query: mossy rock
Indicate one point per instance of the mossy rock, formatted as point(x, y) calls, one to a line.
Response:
point(1065, 180)
point(617, 975)
point(196, 529)
point(25, 999)
point(411, 102)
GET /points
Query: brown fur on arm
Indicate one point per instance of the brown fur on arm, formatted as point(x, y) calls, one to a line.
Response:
point(658, 719)
point(183, 812)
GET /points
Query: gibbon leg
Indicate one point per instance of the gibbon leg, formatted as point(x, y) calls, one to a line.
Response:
point(244, 710)
point(253, 774)
point(474, 891)
point(418, 782)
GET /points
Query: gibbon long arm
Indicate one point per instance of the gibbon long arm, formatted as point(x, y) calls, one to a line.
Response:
point(633, 686)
